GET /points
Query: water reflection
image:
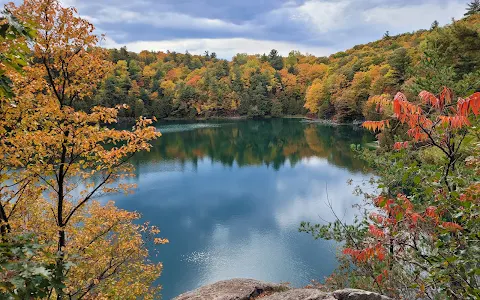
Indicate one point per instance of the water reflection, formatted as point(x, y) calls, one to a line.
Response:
point(267, 142)
point(230, 198)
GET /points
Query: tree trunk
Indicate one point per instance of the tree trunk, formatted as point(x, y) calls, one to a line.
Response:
point(5, 226)
point(61, 232)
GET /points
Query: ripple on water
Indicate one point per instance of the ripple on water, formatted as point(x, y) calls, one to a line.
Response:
point(185, 127)
point(266, 257)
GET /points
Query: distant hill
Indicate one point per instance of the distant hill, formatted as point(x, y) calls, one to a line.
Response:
point(336, 87)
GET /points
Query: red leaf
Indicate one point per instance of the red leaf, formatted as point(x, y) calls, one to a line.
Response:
point(375, 231)
point(429, 98)
point(452, 226)
point(431, 212)
point(446, 96)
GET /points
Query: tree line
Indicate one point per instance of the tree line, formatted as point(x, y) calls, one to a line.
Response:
point(338, 87)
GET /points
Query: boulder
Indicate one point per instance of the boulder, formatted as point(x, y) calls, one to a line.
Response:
point(299, 294)
point(249, 289)
point(353, 294)
point(235, 289)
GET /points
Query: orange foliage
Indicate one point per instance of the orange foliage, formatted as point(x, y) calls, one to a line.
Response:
point(400, 145)
point(173, 74)
point(288, 80)
point(380, 101)
point(452, 226)
point(419, 122)
point(194, 80)
point(376, 125)
point(385, 231)
point(308, 72)
point(412, 115)
point(454, 121)
point(471, 104)
point(366, 254)
point(375, 231)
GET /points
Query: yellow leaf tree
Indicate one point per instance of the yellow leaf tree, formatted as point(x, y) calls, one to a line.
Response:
point(314, 96)
point(73, 158)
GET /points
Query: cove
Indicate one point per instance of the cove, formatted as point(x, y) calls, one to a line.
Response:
point(230, 196)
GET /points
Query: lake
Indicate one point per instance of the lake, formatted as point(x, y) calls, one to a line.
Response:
point(230, 196)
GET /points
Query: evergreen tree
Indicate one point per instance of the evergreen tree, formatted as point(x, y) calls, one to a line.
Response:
point(275, 60)
point(400, 61)
point(124, 55)
point(187, 60)
point(277, 109)
point(473, 8)
point(213, 56)
point(292, 70)
point(264, 58)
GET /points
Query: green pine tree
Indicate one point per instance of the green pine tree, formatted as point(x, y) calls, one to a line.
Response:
point(473, 8)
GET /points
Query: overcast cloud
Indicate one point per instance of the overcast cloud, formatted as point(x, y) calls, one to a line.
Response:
point(227, 27)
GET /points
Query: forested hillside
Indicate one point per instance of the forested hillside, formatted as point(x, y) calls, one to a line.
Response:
point(337, 87)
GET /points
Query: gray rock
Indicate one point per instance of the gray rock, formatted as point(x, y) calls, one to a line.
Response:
point(300, 294)
point(235, 289)
point(353, 294)
point(247, 289)
point(313, 294)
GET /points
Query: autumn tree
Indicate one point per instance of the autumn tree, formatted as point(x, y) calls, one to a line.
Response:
point(314, 96)
point(21, 275)
point(13, 46)
point(13, 53)
point(444, 124)
point(74, 159)
point(419, 241)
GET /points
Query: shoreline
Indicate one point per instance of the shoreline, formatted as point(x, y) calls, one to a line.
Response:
point(305, 119)
point(333, 123)
point(232, 118)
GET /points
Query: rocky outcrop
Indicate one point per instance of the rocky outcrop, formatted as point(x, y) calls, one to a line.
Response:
point(248, 289)
point(297, 294)
point(235, 289)
point(353, 294)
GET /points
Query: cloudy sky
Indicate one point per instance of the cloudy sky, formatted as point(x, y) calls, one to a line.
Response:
point(319, 27)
